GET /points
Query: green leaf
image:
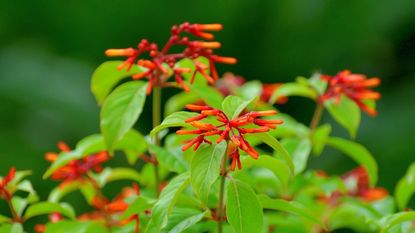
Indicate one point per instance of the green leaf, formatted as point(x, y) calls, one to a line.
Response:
point(232, 106)
point(166, 202)
point(42, 208)
point(121, 110)
point(208, 94)
point(19, 204)
point(179, 101)
point(59, 192)
point(139, 205)
point(299, 149)
point(106, 76)
point(4, 219)
point(250, 90)
point(355, 215)
point(319, 138)
point(11, 228)
point(276, 145)
point(405, 188)
point(66, 226)
point(183, 218)
point(172, 161)
point(317, 83)
point(243, 209)
point(279, 168)
point(346, 113)
point(174, 120)
point(113, 174)
point(205, 168)
point(359, 154)
point(133, 144)
point(392, 220)
point(293, 89)
point(289, 207)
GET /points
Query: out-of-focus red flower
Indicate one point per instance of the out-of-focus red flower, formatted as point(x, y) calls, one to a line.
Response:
point(157, 73)
point(76, 169)
point(355, 86)
point(269, 89)
point(227, 129)
point(361, 189)
point(4, 193)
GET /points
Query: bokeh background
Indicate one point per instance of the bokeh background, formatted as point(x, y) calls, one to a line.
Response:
point(49, 49)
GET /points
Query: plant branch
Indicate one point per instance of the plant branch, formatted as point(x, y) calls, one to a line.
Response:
point(156, 122)
point(316, 117)
point(223, 172)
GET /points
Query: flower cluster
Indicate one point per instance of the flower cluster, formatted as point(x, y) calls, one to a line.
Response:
point(156, 67)
point(4, 193)
point(231, 130)
point(76, 169)
point(360, 188)
point(355, 86)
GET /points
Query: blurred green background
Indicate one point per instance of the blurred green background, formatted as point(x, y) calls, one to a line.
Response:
point(49, 49)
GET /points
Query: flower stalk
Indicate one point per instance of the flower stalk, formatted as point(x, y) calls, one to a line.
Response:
point(220, 210)
point(156, 122)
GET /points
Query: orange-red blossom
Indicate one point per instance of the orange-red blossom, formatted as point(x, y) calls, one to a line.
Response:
point(231, 130)
point(76, 169)
point(4, 182)
point(156, 71)
point(355, 86)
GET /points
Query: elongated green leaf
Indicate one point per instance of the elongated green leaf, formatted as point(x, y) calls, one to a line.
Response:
point(66, 226)
point(205, 168)
point(392, 220)
point(166, 202)
point(293, 89)
point(106, 76)
point(133, 144)
point(208, 94)
point(243, 209)
point(278, 167)
point(172, 161)
point(289, 207)
point(183, 218)
point(359, 154)
point(299, 149)
point(4, 219)
point(174, 120)
point(355, 215)
point(139, 205)
point(179, 101)
point(232, 106)
point(319, 138)
point(114, 174)
point(405, 188)
point(59, 192)
point(346, 113)
point(276, 145)
point(317, 83)
point(121, 110)
point(49, 207)
point(250, 90)
point(11, 228)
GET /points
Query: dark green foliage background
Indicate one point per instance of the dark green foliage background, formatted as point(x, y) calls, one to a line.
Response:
point(49, 49)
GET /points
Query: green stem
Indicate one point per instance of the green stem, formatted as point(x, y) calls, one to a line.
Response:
point(156, 122)
point(316, 117)
point(221, 193)
point(16, 217)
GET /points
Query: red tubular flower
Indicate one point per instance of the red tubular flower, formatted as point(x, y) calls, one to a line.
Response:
point(76, 169)
point(157, 73)
point(4, 193)
point(227, 129)
point(355, 86)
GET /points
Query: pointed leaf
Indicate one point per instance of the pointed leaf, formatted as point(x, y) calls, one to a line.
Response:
point(42, 208)
point(232, 106)
point(359, 154)
point(179, 101)
point(319, 138)
point(181, 219)
point(172, 161)
point(243, 209)
point(121, 110)
point(405, 188)
point(205, 168)
point(346, 113)
point(174, 120)
point(395, 219)
point(293, 89)
point(139, 205)
point(166, 202)
point(299, 149)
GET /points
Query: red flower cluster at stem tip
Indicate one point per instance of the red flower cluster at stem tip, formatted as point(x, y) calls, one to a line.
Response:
point(231, 130)
point(76, 169)
point(156, 70)
point(355, 86)
point(4, 193)
point(362, 189)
